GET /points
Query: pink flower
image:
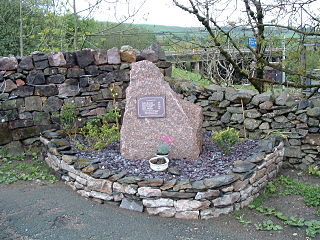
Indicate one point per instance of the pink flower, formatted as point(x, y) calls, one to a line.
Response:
point(167, 139)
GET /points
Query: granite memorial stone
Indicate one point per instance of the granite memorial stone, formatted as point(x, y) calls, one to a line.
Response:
point(153, 110)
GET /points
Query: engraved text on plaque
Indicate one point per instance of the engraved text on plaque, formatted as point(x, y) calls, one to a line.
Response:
point(151, 107)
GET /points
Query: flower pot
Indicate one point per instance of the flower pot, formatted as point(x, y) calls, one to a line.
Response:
point(159, 166)
point(162, 155)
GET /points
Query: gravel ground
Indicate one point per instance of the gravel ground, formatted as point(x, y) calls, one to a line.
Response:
point(212, 161)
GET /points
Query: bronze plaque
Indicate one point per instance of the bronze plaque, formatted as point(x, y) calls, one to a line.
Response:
point(151, 107)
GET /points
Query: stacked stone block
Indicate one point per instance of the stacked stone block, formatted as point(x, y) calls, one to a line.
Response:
point(34, 88)
point(187, 199)
point(260, 115)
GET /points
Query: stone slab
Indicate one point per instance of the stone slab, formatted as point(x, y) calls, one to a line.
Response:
point(183, 120)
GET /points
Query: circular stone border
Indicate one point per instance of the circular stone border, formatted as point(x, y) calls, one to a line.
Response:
point(185, 199)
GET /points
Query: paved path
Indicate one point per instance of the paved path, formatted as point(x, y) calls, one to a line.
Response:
point(32, 211)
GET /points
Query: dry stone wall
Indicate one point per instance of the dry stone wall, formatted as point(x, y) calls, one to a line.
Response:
point(34, 88)
point(260, 115)
point(187, 199)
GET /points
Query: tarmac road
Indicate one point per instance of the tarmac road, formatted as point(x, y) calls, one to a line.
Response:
point(29, 210)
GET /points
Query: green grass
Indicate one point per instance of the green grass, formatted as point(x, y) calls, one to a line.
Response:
point(198, 78)
point(190, 76)
point(26, 167)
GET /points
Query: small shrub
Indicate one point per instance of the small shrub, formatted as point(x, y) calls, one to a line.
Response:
point(225, 139)
point(68, 115)
point(314, 171)
point(100, 132)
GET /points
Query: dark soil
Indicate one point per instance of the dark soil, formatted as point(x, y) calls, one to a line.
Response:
point(212, 161)
point(158, 161)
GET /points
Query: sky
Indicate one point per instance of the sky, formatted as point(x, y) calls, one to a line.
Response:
point(157, 12)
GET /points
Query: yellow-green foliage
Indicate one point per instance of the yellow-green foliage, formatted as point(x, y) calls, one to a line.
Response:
point(100, 132)
point(225, 139)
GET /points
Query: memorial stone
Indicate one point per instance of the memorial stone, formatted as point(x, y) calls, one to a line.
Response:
point(153, 110)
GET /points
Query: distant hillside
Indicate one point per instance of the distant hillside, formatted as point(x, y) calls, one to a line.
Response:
point(163, 28)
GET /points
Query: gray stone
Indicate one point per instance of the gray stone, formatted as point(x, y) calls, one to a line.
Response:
point(149, 55)
point(33, 103)
point(312, 139)
point(210, 194)
point(56, 59)
point(264, 126)
point(152, 182)
point(9, 86)
point(162, 211)
point(100, 57)
point(8, 63)
point(302, 117)
point(46, 90)
point(226, 200)
point(26, 63)
point(58, 78)
point(131, 205)
point(216, 96)
point(149, 192)
point(260, 98)
point(158, 50)
point(218, 181)
point(304, 103)
point(314, 112)
point(52, 104)
point(161, 202)
point(224, 104)
point(187, 215)
point(266, 105)
point(252, 113)
point(102, 196)
point(312, 122)
point(124, 188)
point(293, 152)
point(225, 118)
point(66, 90)
point(281, 119)
point(190, 205)
point(251, 124)
point(199, 185)
point(182, 185)
point(113, 56)
point(236, 117)
point(277, 125)
point(237, 96)
point(282, 99)
point(75, 72)
point(243, 167)
point(174, 171)
point(117, 176)
point(41, 64)
point(234, 110)
point(84, 58)
point(22, 91)
point(214, 212)
point(182, 195)
point(35, 78)
point(168, 184)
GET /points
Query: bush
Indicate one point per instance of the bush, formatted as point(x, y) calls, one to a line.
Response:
point(225, 139)
point(100, 132)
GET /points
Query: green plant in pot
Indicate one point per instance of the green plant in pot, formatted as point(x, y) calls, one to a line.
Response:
point(161, 161)
point(164, 148)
